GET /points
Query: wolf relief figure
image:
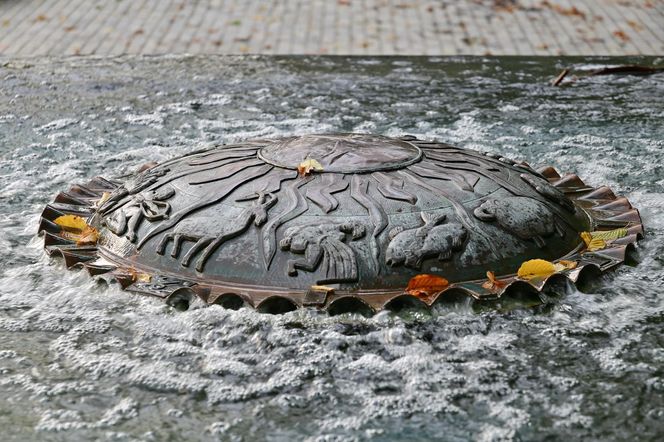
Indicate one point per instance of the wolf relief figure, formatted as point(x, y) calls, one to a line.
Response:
point(323, 245)
point(412, 246)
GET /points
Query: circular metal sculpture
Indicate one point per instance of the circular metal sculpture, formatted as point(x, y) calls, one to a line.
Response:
point(340, 222)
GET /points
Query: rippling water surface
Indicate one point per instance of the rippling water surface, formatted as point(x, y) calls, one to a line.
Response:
point(82, 361)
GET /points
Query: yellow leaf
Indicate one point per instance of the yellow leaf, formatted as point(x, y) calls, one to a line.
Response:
point(598, 240)
point(536, 268)
point(609, 235)
point(71, 223)
point(104, 197)
point(586, 237)
point(425, 285)
point(322, 288)
point(596, 244)
point(309, 165)
point(140, 277)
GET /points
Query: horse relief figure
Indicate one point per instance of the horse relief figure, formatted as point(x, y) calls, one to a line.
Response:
point(524, 217)
point(212, 232)
point(324, 244)
point(410, 247)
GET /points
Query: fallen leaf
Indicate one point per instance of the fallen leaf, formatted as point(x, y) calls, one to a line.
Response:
point(140, 277)
point(492, 283)
point(609, 235)
point(536, 268)
point(309, 165)
point(564, 264)
point(71, 223)
point(77, 229)
point(104, 197)
point(88, 236)
point(424, 286)
point(598, 240)
point(322, 288)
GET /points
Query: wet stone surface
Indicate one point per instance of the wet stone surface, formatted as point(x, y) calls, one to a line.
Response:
point(83, 361)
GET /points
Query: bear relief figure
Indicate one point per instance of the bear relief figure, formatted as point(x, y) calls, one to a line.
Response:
point(526, 218)
point(412, 246)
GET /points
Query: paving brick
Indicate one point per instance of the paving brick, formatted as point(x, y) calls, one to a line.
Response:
point(374, 27)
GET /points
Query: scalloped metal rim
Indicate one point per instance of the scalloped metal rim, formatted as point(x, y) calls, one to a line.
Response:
point(606, 211)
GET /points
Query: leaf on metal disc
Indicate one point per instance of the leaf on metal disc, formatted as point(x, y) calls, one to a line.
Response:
point(71, 223)
point(77, 229)
point(140, 277)
point(536, 268)
point(565, 264)
point(309, 165)
point(425, 285)
point(104, 197)
point(540, 268)
point(88, 236)
point(492, 283)
point(598, 240)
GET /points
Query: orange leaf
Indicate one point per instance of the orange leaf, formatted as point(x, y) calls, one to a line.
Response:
point(425, 285)
point(492, 283)
point(88, 236)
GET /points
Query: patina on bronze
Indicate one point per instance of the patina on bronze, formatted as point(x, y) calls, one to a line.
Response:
point(239, 224)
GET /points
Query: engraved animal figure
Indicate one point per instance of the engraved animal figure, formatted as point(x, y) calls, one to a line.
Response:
point(324, 244)
point(412, 246)
point(548, 191)
point(205, 232)
point(150, 206)
point(524, 217)
point(133, 186)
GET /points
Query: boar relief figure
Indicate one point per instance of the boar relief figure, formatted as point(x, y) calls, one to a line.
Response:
point(410, 247)
point(526, 218)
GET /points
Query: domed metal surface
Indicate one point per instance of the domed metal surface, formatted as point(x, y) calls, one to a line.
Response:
point(242, 222)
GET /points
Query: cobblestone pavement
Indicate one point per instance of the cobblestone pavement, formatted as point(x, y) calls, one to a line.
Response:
point(443, 27)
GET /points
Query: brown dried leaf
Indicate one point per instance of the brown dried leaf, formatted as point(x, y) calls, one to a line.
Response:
point(492, 283)
point(88, 236)
point(424, 285)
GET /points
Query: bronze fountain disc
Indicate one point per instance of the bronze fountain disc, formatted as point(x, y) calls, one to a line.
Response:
point(239, 224)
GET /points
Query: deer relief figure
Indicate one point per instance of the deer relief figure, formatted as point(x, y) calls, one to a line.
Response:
point(324, 244)
point(410, 247)
point(204, 231)
point(151, 206)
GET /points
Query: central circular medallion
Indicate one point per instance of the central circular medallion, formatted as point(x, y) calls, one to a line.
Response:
point(342, 153)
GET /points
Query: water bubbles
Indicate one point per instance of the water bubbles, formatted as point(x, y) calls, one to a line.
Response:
point(87, 361)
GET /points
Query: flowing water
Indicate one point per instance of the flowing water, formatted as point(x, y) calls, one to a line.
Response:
point(84, 361)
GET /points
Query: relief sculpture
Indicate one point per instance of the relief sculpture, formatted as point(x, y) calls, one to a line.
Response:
point(524, 217)
point(323, 246)
point(209, 234)
point(151, 206)
point(410, 247)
